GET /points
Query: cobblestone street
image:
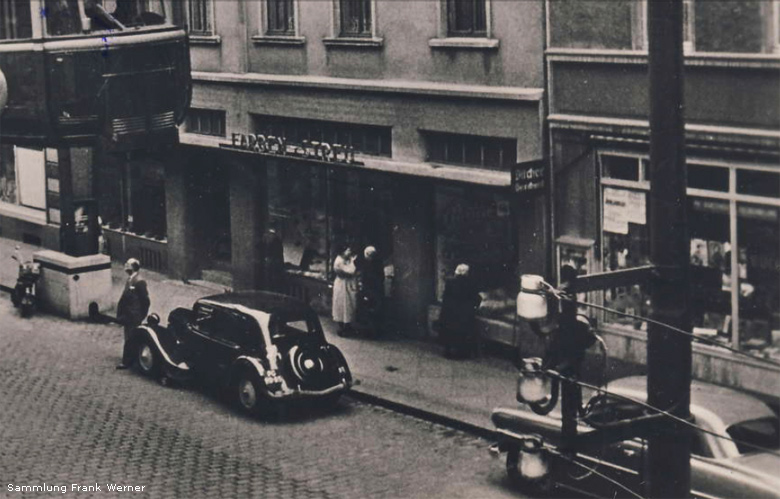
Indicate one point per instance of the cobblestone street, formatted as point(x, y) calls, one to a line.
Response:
point(68, 417)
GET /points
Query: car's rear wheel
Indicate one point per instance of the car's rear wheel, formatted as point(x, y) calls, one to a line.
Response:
point(147, 359)
point(536, 488)
point(249, 394)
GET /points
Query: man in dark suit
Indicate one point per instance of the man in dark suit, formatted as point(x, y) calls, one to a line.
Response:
point(273, 260)
point(132, 308)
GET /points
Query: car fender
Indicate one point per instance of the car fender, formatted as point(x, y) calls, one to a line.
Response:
point(341, 361)
point(246, 362)
point(149, 333)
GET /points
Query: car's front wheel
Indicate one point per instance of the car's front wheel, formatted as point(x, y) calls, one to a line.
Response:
point(147, 359)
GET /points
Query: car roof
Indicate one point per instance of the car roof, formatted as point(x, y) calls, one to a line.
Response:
point(729, 405)
point(265, 301)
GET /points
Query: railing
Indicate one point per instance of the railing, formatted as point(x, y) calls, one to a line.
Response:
point(152, 253)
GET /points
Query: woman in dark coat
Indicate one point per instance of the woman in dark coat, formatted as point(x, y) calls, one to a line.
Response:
point(458, 314)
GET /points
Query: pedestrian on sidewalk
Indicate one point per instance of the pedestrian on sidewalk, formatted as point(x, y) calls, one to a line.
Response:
point(132, 308)
point(345, 287)
point(457, 322)
point(372, 290)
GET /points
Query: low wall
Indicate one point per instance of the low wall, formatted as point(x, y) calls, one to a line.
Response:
point(69, 284)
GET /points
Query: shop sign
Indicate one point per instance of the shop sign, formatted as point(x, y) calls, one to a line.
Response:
point(528, 177)
point(306, 149)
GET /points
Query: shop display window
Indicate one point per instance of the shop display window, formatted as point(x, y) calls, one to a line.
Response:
point(297, 204)
point(474, 227)
point(131, 196)
point(710, 258)
point(22, 177)
point(758, 260)
point(8, 175)
point(734, 248)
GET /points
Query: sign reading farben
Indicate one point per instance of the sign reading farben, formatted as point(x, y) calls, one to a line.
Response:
point(528, 177)
point(280, 146)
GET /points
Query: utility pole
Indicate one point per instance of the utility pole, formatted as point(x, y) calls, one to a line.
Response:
point(668, 352)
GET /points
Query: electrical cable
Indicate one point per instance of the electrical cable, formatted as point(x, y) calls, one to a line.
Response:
point(561, 377)
point(672, 328)
point(592, 471)
point(561, 296)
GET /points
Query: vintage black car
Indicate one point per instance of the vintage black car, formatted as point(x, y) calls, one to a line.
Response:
point(262, 348)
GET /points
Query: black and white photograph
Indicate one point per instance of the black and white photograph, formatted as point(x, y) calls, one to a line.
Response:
point(402, 249)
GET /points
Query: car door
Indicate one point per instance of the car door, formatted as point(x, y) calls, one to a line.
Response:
point(198, 342)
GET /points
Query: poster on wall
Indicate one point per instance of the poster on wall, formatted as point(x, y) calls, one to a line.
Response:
point(615, 208)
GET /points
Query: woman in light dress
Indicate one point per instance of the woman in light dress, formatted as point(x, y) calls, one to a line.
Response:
point(345, 288)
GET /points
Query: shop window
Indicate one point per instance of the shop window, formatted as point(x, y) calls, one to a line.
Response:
point(371, 140)
point(471, 150)
point(8, 188)
point(131, 196)
point(474, 227)
point(15, 19)
point(758, 274)
point(22, 177)
point(758, 183)
point(297, 197)
point(724, 272)
point(316, 210)
point(710, 267)
point(356, 18)
point(280, 17)
point(206, 122)
point(711, 178)
point(466, 18)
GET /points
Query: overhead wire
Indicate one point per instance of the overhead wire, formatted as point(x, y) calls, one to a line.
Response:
point(683, 421)
point(560, 294)
point(592, 471)
point(671, 328)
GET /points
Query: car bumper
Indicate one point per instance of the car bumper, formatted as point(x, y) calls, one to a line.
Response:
point(300, 393)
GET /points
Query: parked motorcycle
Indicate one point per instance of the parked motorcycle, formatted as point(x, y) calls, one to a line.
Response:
point(24, 294)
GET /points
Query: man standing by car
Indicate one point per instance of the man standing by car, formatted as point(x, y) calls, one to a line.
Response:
point(132, 308)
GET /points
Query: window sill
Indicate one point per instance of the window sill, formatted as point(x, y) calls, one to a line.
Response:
point(343, 41)
point(279, 40)
point(31, 215)
point(205, 39)
point(464, 43)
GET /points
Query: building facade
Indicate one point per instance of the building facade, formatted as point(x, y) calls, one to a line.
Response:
point(597, 64)
point(363, 122)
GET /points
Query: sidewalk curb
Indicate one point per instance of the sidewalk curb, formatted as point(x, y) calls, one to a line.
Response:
point(416, 412)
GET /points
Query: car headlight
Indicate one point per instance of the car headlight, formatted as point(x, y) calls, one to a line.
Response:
point(534, 461)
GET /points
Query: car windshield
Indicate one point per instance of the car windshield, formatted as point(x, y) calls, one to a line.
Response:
point(763, 433)
point(294, 325)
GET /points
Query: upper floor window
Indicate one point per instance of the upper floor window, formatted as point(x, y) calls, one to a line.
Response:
point(15, 19)
point(471, 150)
point(466, 18)
point(206, 122)
point(689, 26)
point(776, 26)
point(280, 17)
point(200, 17)
point(356, 18)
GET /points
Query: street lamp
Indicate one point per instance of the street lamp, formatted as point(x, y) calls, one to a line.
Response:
point(534, 462)
point(532, 298)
